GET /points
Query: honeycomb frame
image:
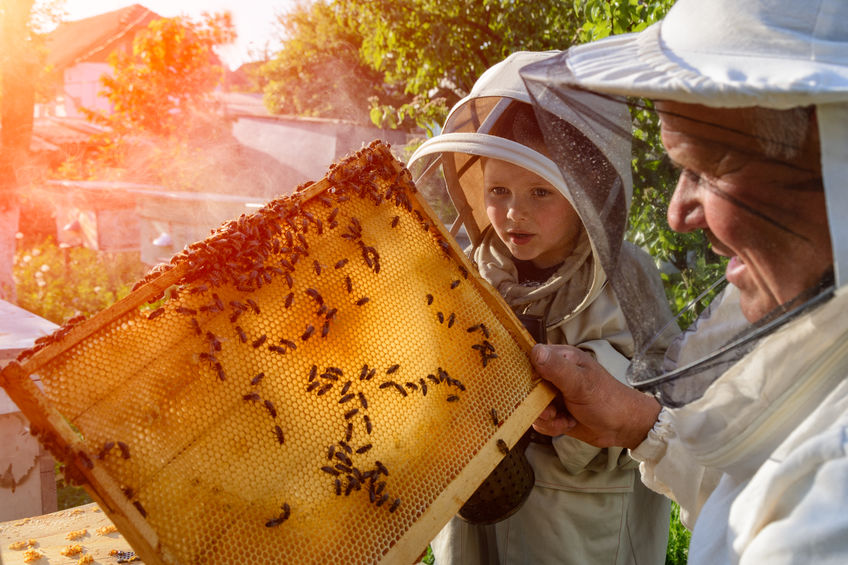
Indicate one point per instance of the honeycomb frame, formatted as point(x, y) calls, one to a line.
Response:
point(327, 379)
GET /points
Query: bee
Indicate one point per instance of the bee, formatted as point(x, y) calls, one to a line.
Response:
point(387, 384)
point(464, 272)
point(451, 319)
point(429, 299)
point(371, 374)
point(395, 221)
point(400, 389)
point(331, 313)
point(332, 217)
point(241, 334)
point(156, 313)
point(348, 284)
point(349, 431)
point(454, 284)
point(317, 266)
point(364, 448)
point(485, 330)
point(423, 386)
point(251, 397)
point(382, 500)
point(277, 349)
point(259, 341)
point(433, 378)
point(270, 406)
point(441, 317)
point(380, 486)
point(392, 369)
point(503, 447)
point(324, 389)
point(125, 450)
point(86, 460)
point(279, 432)
point(289, 300)
point(473, 328)
point(213, 341)
point(220, 370)
point(362, 301)
point(346, 447)
point(312, 386)
point(253, 305)
point(346, 398)
point(107, 447)
point(330, 470)
point(452, 398)
point(313, 372)
point(218, 303)
point(367, 424)
point(362, 401)
point(325, 329)
point(255, 380)
point(308, 333)
point(381, 468)
point(341, 263)
point(128, 492)
point(394, 505)
point(412, 386)
point(335, 371)
point(330, 376)
point(302, 240)
point(364, 372)
point(289, 280)
point(330, 450)
point(495, 419)
point(184, 310)
point(346, 387)
point(140, 508)
point(351, 413)
point(338, 484)
point(200, 288)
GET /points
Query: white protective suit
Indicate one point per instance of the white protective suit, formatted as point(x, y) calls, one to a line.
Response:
point(587, 505)
point(758, 463)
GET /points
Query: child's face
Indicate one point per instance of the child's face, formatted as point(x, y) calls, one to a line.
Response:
point(529, 214)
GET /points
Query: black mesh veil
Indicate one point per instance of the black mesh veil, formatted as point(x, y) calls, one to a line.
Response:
point(723, 336)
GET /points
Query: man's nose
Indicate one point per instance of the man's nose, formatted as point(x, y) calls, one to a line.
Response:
point(685, 211)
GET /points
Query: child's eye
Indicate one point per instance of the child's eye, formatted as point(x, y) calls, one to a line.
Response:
point(540, 192)
point(498, 190)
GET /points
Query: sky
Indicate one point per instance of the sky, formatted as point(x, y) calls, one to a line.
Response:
point(255, 20)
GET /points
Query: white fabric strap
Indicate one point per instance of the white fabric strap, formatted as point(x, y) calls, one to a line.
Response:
point(833, 130)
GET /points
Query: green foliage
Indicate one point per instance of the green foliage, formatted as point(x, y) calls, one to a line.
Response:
point(59, 283)
point(688, 265)
point(677, 552)
point(320, 70)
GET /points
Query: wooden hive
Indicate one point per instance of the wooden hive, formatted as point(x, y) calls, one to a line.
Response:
point(325, 380)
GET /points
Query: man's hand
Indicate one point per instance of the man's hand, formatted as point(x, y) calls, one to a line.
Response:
point(598, 409)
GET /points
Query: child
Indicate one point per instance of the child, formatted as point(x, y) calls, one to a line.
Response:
point(588, 505)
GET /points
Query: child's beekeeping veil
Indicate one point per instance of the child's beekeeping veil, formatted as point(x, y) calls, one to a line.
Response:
point(777, 54)
point(591, 158)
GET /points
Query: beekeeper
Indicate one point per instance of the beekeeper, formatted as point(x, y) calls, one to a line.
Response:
point(587, 504)
point(753, 101)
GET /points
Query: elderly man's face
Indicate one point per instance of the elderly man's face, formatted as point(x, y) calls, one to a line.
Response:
point(766, 214)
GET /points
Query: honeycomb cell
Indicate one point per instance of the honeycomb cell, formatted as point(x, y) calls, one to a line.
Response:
point(382, 356)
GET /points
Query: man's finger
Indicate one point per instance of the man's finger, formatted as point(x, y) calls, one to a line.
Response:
point(558, 364)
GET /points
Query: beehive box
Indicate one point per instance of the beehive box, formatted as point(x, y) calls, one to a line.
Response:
point(325, 380)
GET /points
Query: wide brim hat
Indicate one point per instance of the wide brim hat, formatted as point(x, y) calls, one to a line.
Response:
point(775, 54)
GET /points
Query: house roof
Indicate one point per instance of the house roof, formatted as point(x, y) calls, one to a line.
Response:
point(92, 39)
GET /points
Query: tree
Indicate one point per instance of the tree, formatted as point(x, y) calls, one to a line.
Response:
point(164, 110)
point(18, 67)
point(164, 86)
point(320, 70)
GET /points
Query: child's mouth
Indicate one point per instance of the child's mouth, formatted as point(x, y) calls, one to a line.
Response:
point(519, 238)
